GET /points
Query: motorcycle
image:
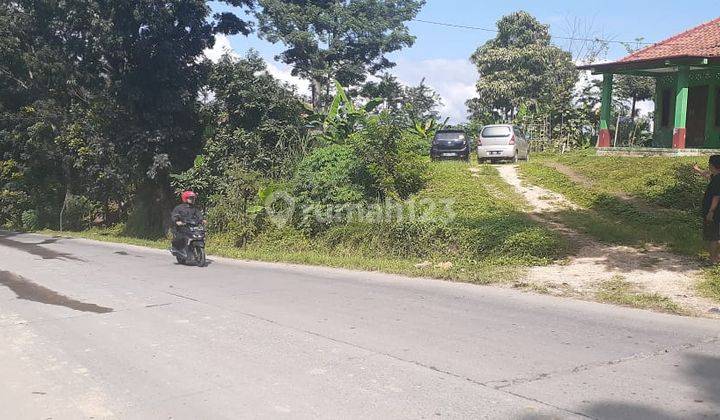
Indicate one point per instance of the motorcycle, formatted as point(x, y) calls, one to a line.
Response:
point(194, 251)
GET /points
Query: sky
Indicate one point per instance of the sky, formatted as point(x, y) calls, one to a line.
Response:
point(441, 54)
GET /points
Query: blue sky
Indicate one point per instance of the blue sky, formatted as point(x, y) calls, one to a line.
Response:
point(440, 54)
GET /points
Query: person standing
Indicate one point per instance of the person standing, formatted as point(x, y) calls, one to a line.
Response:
point(710, 204)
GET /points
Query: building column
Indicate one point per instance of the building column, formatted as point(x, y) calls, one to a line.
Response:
point(681, 101)
point(710, 122)
point(604, 138)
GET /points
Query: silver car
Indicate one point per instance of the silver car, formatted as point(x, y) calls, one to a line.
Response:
point(502, 142)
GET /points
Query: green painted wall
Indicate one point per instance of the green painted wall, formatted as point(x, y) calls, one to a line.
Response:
point(663, 135)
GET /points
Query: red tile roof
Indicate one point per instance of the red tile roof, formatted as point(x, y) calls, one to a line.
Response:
point(701, 41)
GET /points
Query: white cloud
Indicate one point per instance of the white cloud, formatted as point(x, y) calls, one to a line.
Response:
point(454, 81)
point(284, 74)
point(222, 47)
point(279, 71)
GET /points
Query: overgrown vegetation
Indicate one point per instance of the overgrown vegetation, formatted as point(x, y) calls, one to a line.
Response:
point(103, 105)
point(489, 239)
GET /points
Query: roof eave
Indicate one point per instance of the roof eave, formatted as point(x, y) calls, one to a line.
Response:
point(618, 66)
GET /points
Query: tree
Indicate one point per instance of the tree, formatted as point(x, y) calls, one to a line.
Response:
point(341, 40)
point(101, 97)
point(388, 88)
point(255, 123)
point(635, 88)
point(422, 102)
point(411, 103)
point(520, 67)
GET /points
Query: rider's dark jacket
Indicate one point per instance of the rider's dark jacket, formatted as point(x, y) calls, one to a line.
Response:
point(186, 214)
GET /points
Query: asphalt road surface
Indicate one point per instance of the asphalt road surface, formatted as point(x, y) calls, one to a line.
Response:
point(92, 330)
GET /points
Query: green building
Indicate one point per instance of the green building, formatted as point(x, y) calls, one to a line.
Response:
point(687, 98)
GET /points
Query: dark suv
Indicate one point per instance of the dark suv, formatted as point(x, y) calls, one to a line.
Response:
point(450, 144)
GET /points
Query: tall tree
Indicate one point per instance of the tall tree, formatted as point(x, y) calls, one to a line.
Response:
point(388, 88)
point(106, 90)
point(412, 102)
point(520, 67)
point(422, 102)
point(337, 39)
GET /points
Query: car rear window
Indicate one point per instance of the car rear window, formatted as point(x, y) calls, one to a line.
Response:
point(450, 136)
point(496, 131)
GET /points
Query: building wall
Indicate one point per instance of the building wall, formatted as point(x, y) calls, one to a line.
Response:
point(663, 134)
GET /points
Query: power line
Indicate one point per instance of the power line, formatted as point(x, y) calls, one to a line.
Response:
point(565, 38)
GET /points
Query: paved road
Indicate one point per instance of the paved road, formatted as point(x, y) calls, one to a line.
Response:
point(91, 330)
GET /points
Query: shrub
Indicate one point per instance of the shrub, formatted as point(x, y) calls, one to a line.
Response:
point(30, 220)
point(390, 154)
point(329, 178)
point(238, 211)
point(79, 212)
point(12, 206)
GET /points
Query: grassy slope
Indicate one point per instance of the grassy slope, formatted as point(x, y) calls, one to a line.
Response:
point(490, 239)
point(633, 201)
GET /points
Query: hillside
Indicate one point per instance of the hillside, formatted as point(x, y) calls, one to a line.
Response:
point(640, 202)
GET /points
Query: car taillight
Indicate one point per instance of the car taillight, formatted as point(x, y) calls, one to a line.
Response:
point(479, 142)
point(512, 140)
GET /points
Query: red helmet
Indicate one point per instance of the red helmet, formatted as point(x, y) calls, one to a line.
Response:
point(186, 195)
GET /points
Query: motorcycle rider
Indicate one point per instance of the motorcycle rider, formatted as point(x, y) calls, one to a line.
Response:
point(183, 214)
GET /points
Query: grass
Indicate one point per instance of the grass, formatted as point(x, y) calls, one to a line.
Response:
point(619, 291)
point(709, 286)
point(627, 201)
point(636, 201)
point(489, 240)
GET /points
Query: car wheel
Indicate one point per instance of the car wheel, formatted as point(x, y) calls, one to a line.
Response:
point(515, 158)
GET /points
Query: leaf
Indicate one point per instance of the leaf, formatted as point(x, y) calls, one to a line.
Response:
point(255, 209)
point(333, 111)
point(343, 97)
point(373, 104)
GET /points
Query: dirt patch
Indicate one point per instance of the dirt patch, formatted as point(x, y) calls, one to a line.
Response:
point(27, 290)
point(652, 270)
point(540, 199)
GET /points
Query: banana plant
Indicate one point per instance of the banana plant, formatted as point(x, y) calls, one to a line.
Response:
point(426, 129)
point(343, 117)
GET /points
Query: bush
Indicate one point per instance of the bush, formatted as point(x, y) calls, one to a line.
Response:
point(79, 212)
point(328, 179)
point(391, 155)
point(30, 220)
point(412, 171)
point(238, 212)
point(12, 206)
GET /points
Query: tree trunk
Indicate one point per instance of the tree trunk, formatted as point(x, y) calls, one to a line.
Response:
point(632, 112)
point(316, 87)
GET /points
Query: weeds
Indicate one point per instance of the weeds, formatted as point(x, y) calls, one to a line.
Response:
point(619, 291)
